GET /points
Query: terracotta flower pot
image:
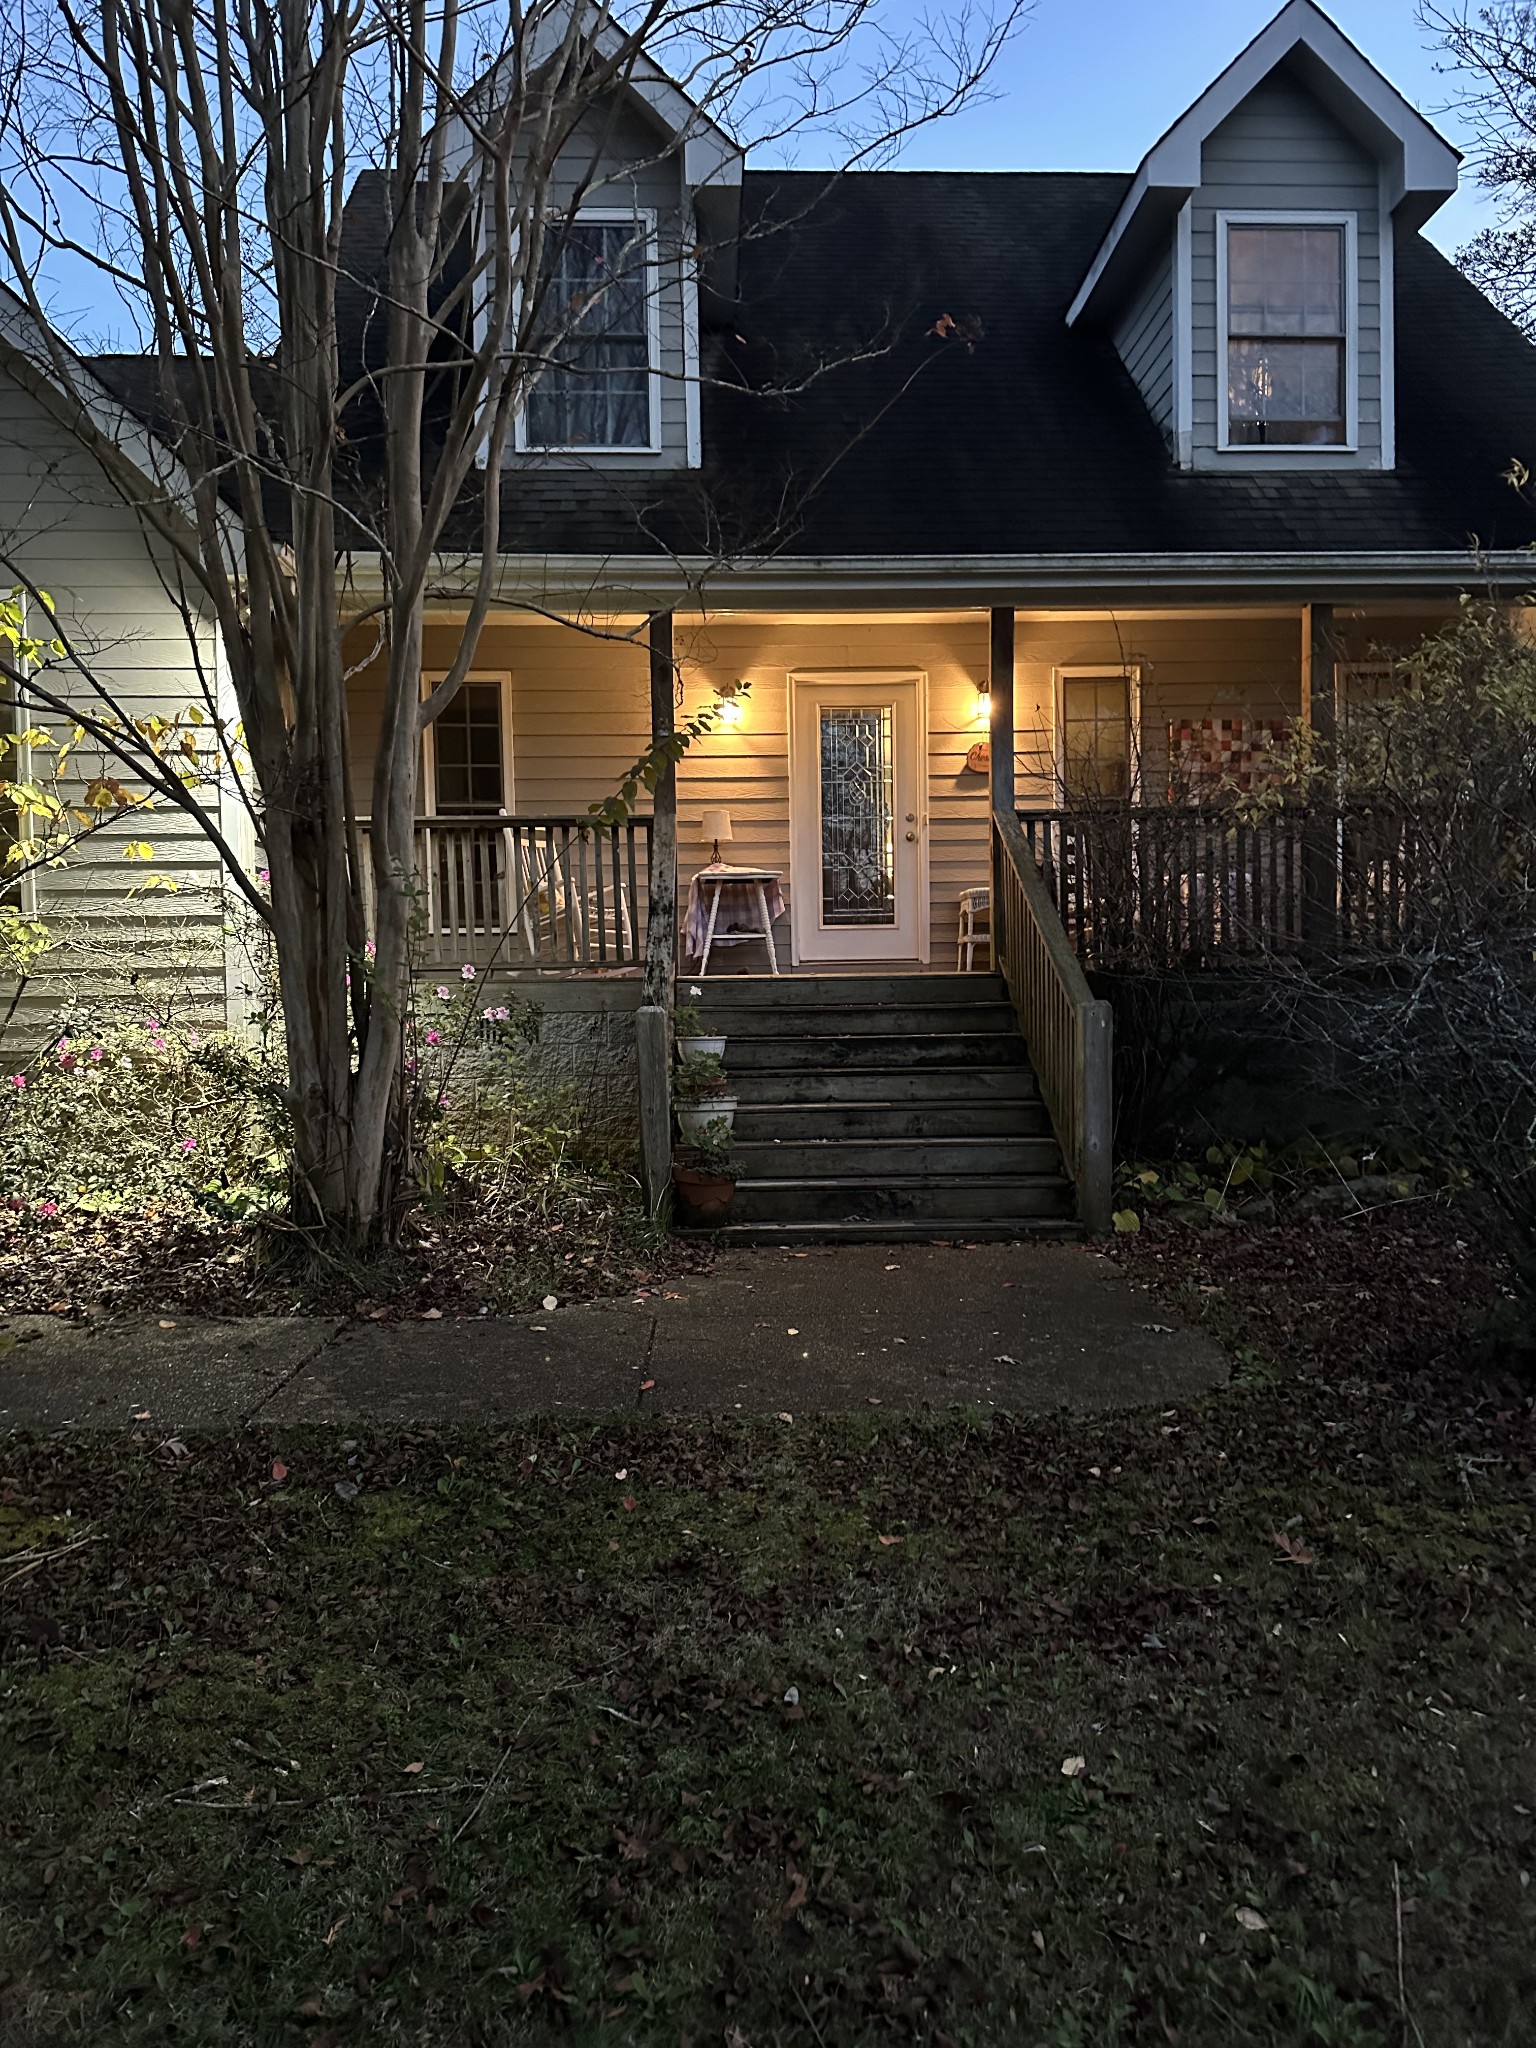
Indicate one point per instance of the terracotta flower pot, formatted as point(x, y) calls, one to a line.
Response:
point(702, 1197)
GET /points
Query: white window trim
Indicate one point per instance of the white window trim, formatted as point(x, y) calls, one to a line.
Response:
point(502, 678)
point(644, 218)
point(1065, 673)
point(1329, 218)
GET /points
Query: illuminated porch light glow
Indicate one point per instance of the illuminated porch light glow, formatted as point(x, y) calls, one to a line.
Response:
point(983, 712)
point(728, 702)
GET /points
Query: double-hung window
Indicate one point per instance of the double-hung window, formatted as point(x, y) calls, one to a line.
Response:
point(1288, 291)
point(595, 334)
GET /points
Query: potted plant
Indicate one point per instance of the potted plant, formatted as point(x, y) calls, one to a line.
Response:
point(704, 1179)
point(698, 1090)
point(691, 1035)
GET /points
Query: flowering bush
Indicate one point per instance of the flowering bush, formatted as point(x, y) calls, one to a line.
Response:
point(143, 1115)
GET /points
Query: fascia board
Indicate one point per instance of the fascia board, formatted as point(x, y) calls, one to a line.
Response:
point(562, 584)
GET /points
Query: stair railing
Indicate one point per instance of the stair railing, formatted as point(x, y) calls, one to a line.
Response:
point(1067, 1029)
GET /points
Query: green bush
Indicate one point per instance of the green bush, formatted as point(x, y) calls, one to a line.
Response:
point(142, 1116)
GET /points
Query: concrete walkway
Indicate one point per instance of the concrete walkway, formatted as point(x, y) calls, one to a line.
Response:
point(1021, 1327)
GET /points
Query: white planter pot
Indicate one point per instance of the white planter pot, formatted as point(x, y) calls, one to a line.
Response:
point(689, 1046)
point(693, 1118)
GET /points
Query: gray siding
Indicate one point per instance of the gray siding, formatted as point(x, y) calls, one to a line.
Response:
point(62, 523)
point(1144, 339)
point(616, 162)
point(1281, 151)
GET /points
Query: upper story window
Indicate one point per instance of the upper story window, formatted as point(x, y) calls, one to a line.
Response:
point(598, 301)
point(1288, 293)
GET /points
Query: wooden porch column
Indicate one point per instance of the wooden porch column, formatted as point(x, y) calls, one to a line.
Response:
point(1000, 742)
point(1001, 731)
point(1320, 877)
point(653, 1023)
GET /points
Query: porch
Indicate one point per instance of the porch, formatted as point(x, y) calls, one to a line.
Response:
point(872, 770)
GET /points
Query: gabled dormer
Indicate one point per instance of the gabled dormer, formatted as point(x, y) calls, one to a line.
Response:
point(1247, 277)
point(644, 206)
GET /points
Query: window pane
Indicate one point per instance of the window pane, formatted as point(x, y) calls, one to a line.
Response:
point(1285, 280)
point(597, 392)
point(1285, 393)
point(1096, 736)
point(466, 742)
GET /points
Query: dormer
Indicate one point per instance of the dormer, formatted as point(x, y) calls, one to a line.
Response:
point(1247, 277)
point(644, 214)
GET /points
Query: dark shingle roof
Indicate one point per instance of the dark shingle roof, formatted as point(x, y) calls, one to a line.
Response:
point(1035, 441)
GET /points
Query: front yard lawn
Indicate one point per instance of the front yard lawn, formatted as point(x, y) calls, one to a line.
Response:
point(1204, 1727)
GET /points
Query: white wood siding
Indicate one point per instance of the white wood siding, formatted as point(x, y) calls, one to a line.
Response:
point(1144, 339)
point(1280, 151)
point(71, 533)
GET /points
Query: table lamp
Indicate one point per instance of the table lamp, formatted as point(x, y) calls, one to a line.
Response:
point(717, 827)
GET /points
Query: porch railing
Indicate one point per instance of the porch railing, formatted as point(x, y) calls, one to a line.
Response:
point(530, 892)
point(1066, 1029)
point(1150, 886)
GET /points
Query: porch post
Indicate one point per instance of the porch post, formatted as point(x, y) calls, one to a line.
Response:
point(1000, 745)
point(1001, 731)
point(1320, 848)
point(653, 1023)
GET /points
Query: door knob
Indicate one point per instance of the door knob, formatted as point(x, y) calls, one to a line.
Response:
point(911, 835)
point(911, 817)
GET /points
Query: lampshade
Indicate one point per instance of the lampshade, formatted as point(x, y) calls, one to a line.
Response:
point(717, 826)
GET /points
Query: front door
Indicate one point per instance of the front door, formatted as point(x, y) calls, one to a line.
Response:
point(858, 837)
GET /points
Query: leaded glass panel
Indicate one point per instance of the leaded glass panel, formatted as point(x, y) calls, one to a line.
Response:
point(858, 816)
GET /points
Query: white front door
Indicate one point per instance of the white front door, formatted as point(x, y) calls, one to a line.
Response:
point(858, 821)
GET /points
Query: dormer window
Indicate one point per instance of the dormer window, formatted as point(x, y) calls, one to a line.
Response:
point(598, 307)
point(1288, 290)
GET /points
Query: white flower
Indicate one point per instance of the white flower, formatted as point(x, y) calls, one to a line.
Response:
point(467, 971)
point(442, 993)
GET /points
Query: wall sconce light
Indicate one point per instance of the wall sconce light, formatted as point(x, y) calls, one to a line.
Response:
point(983, 713)
point(730, 701)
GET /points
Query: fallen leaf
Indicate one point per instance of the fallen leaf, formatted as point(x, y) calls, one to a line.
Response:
point(165, 1325)
point(646, 1386)
point(629, 1503)
point(550, 1301)
point(792, 1697)
point(784, 1416)
point(1254, 1922)
point(279, 1471)
point(889, 1540)
point(431, 1315)
point(412, 1769)
point(192, 1937)
point(1074, 1766)
point(347, 1489)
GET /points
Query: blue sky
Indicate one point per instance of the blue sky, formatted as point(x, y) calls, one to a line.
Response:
point(1089, 84)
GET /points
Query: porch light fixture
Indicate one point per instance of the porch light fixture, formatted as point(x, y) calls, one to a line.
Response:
point(717, 826)
point(983, 713)
point(728, 701)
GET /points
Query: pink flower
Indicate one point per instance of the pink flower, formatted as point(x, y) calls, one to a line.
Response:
point(442, 993)
point(434, 1038)
point(98, 1052)
point(153, 1024)
point(503, 1014)
point(18, 1080)
point(368, 949)
point(67, 1062)
point(47, 1208)
point(263, 874)
point(189, 1144)
point(63, 1045)
point(467, 971)
point(442, 1102)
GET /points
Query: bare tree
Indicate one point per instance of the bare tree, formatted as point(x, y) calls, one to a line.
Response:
point(199, 156)
point(1492, 53)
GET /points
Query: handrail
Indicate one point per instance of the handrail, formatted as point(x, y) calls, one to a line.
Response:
point(514, 890)
point(1067, 1030)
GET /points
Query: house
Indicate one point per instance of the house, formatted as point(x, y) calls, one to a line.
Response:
point(966, 505)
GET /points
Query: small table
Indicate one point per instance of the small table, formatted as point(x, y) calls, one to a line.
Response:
point(749, 888)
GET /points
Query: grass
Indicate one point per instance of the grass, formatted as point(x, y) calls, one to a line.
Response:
point(751, 1733)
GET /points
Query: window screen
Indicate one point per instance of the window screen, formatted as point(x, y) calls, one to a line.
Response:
point(596, 391)
point(1285, 336)
point(468, 751)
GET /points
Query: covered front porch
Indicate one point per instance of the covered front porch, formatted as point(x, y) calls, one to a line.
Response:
point(850, 771)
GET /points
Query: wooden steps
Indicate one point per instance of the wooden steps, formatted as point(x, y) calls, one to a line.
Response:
point(885, 1108)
